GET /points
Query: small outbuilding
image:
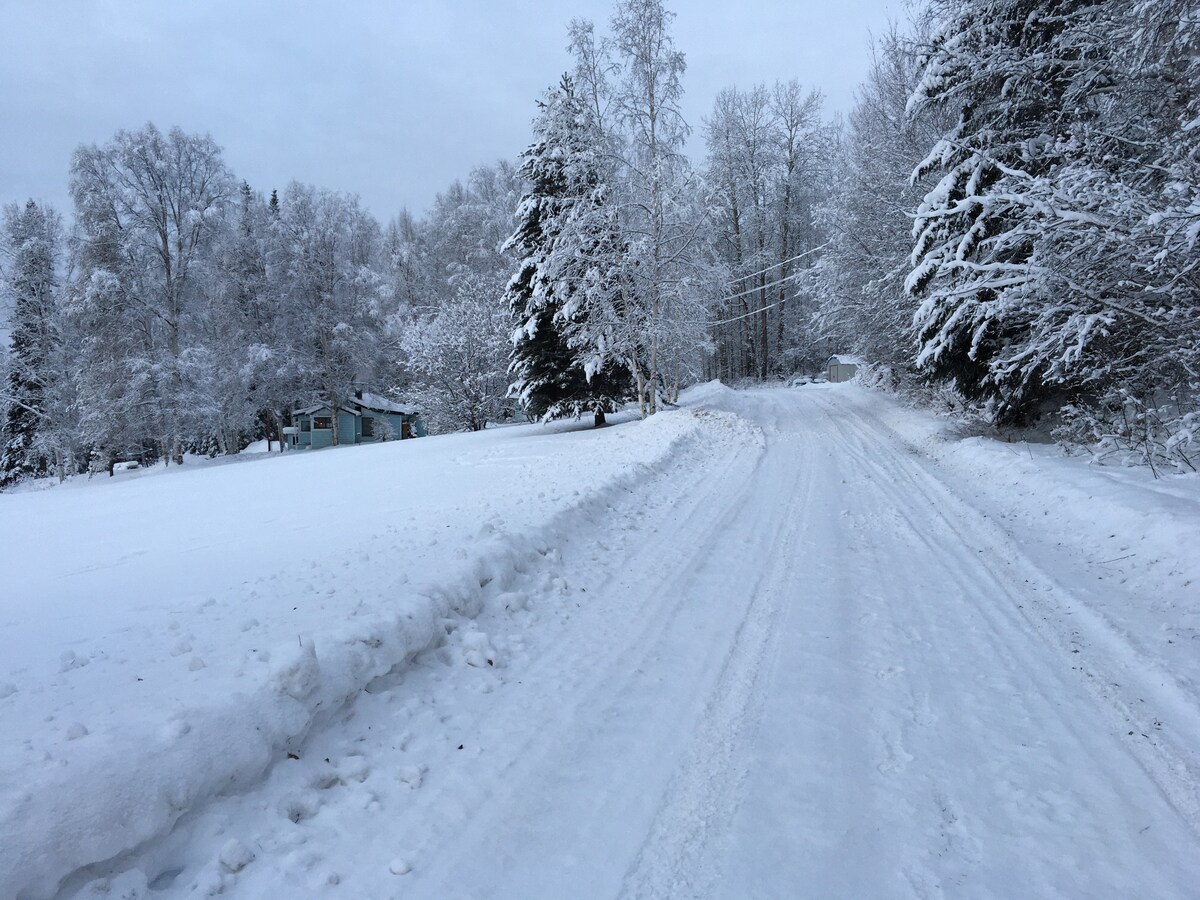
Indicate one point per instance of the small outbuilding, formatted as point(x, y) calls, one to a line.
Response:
point(366, 419)
point(842, 368)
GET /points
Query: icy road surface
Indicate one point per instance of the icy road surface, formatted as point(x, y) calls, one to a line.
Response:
point(799, 662)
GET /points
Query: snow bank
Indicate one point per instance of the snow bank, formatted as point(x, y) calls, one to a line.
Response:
point(174, 637)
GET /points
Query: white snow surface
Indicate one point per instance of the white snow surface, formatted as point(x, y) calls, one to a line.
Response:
point(777, 643)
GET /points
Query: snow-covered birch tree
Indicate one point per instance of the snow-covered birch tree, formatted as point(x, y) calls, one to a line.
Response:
point(867, 219)
point(656, 199)
point(460, 357)
point(153, 205)
point(327, 263)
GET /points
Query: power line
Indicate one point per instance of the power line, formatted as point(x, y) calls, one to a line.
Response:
point(763, 287)
point(777, 265)
point(753, 312)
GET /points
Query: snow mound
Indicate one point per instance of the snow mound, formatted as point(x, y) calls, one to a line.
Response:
point(192, 697)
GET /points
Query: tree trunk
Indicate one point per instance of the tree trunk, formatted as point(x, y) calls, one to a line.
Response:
point(599, 418)
point(641, 385)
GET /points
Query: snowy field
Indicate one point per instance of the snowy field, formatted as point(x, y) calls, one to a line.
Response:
point(777, 643)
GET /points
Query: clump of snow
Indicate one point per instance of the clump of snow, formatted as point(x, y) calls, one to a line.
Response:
point(478, 650)
point(511, 601)
point(399, 866)
point(298, 675)
point(235, 856)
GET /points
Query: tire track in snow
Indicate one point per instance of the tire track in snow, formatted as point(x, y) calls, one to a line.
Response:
point(992, 634)
point(680, 857)
point(1001, 563)
point(596, 692)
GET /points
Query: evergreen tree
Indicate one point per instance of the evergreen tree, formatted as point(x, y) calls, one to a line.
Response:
point(32, 235)
point(561, 239)
point(1054, 259)
point(1006, 316)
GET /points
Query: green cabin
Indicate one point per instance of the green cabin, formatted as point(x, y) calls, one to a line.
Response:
point(366, 419)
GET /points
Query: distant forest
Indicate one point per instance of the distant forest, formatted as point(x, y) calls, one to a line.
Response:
point(1008, 220)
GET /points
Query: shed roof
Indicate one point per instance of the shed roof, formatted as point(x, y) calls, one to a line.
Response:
point(845, 360)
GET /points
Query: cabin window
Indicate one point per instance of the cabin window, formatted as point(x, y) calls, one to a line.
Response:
point(368, 423)
point(305, 424)
point(322, 422)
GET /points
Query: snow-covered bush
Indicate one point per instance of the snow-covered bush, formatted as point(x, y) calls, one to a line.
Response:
point(1127, 429)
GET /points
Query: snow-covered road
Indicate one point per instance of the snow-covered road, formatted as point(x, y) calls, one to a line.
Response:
point(803, 661)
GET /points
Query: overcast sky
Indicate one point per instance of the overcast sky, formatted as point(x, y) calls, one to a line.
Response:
point(389, 99)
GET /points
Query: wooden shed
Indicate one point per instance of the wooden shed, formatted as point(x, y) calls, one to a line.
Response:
point(842, 368)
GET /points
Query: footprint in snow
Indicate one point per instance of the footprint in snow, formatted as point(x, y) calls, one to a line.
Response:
point(354, 768)
point(411, 775)
point(69, 661)
point(324, 779)
point(300, 807)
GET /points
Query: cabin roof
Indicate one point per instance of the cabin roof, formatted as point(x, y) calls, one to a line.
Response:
point(378, 403)
point(309, 410)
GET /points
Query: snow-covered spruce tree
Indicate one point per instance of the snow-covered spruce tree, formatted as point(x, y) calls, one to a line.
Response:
point(1056, 259)
point(32, 237)
point(1005, 316)
point(561, 227)
point(1155, 123)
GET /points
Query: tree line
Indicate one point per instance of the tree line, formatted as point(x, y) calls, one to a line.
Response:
point(1017, 214)
point(1010, 212)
